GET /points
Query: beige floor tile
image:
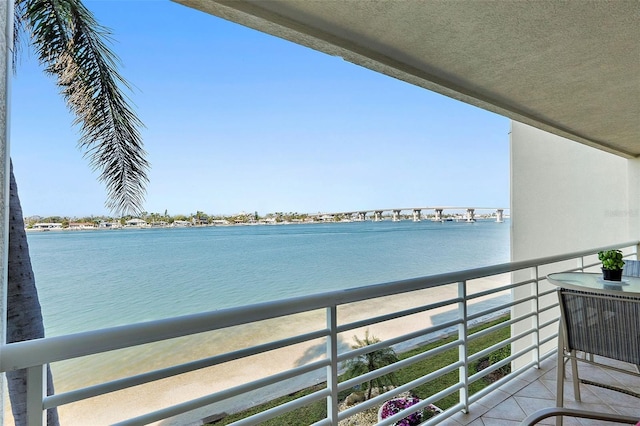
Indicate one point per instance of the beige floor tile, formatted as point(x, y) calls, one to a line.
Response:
point(450, 422)
point(530, 405)
point(514, 386)
point(536, 390)
point(494, 398)
point(506, 410)
point(475, 412)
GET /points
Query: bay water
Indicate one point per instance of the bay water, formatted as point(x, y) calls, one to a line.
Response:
point(89, 280)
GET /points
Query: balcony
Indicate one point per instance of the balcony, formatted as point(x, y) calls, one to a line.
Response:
point(536, 389)
point(405, 313)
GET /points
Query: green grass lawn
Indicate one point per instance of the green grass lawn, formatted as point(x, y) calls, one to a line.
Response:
point(317, 411)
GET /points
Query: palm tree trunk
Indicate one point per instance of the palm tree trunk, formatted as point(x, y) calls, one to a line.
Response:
point(24, 316)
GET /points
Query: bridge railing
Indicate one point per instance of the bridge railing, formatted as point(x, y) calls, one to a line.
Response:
point(461, 303)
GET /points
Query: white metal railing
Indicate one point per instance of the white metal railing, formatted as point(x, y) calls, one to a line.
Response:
point(35, 355)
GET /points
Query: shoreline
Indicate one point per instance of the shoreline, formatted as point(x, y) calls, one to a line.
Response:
point(260, 223)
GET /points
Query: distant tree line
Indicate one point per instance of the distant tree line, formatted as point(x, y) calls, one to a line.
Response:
point(197, 218)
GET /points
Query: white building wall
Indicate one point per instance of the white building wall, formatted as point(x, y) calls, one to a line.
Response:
point(565, 197)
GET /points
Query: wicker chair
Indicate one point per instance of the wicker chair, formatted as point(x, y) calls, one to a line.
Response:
point(598, 324)
point(631, 268)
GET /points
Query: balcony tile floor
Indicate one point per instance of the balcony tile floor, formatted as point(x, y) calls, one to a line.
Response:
point(536, 389)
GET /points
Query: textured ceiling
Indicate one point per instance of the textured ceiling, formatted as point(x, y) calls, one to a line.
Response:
point(571, 68)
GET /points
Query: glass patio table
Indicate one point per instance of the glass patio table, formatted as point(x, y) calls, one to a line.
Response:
point(593, 282)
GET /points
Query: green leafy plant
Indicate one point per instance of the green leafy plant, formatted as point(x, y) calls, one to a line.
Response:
point(611, 259)
point(371, 361)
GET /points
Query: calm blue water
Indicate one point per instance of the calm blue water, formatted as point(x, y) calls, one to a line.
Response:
point(96, 279)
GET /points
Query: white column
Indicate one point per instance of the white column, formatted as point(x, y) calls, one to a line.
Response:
point(396, 215)
point(416, 215)
point(499, 215)
point(438, 217)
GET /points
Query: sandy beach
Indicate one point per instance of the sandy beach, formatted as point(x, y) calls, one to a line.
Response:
point(118, 406)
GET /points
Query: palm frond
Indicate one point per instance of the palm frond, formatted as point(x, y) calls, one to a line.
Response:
point(72, 46)
point(18, 29)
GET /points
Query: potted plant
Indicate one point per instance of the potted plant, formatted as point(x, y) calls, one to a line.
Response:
point(612, 264)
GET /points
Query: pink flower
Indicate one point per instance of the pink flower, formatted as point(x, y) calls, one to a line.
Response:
point(394, 406)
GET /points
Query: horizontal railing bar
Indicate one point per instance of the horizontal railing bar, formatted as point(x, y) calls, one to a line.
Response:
point(284, 408)
point(489, 311)
point(14, 356)
point(408, 361)
point(395, 340)
point(499, 345)
point(548, 339)
point(127, 382)
point(547, 292)
point(499, 326)
point(550, 307)
point(548, 323)
point(498, 308)
point(222, 395)
point(527, 281)
point(492, 291)
point(363, 323)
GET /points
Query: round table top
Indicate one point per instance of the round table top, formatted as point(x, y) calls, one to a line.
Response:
point(583, 281)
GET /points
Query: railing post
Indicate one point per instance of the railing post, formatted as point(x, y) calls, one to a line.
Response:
point(332, 369)
point(462, 349)
point(36, 392)
point(536, 318)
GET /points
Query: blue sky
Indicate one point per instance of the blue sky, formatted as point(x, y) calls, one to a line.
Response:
point(237, 120)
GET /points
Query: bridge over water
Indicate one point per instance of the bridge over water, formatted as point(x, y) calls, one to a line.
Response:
point(416, 212)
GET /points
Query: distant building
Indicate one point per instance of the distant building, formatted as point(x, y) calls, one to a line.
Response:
point(181, 223)
point(46, 226)
point(110, 225)
point(136, 223)
point(83, 225)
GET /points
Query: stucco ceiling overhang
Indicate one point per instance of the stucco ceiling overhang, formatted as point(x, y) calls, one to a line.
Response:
point(571, 68)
